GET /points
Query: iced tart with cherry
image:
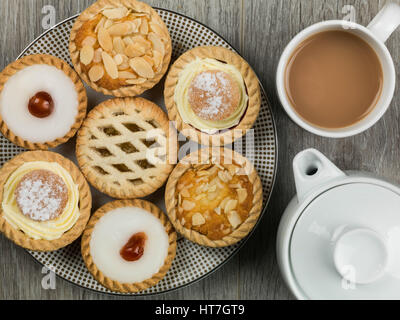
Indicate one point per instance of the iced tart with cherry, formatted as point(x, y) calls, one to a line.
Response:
point(128, 245)
point(42, 102)
point(45, 201)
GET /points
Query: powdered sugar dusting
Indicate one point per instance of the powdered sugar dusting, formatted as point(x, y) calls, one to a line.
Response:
point(213, 89)
point(41, 197)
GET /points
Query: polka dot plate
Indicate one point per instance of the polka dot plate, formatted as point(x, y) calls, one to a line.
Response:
point(192, 262)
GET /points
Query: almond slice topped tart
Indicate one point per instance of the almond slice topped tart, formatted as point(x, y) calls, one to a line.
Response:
point(120, 48)
point(125, 147)
point(214, 197)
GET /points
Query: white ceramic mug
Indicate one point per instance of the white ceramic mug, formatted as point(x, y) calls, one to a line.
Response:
point(377, 32)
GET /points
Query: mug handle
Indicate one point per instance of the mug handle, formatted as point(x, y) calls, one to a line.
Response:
point(386, 21)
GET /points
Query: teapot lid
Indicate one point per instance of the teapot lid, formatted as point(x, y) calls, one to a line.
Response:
point(346, 241)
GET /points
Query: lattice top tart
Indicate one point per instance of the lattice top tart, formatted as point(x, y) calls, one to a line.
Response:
point(120, 48)
point(214, 197)
point(125, 147)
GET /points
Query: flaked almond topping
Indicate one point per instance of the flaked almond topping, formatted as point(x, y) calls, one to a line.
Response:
point(140, 39)
point(105, 39)
point(149, 60)
point(203, 173)
point(141, 67)
point(217, 210)
point(125, 64)
point(136, 81)
point(224, 202)
point(158, 59)
point(230, 205)
point(136, 25)
point(118, 59)
point(234, 219)
point(135, 50)
point(158, 45)
point(226, 231)
point(233, 169)
point(198, 219)
point(108, 23)
point(235, 186)
point(212, 196)
point(199, 197)
point(119, 45)
point(127, 40)
point(156, 28)
point(180, 186)
point(87, 55)
point(89, 41)
point(126, 75)
point(183, 221)
point(96, 73)
point(116, 13)
point(224, 176)
point(185, 193)
point(188, 205)
point(179, 199)
point(242, 195)
point(110, 65)
point(120, 29)
point(212, 188)
point(144, 27)
point(100, 24)
point(97, 55)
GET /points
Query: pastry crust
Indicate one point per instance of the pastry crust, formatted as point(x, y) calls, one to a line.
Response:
point(85, 202)
point(89, 14)
point(31, 60)
point(116, 285)
point(253, 90)
point(204, 155)
point(119, 184)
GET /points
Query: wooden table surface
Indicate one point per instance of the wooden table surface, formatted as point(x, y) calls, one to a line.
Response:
point(259, 29)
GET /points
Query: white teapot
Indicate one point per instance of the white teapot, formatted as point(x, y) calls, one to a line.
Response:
point(339, 237)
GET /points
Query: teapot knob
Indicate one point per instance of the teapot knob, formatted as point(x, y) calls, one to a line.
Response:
point(361, 256)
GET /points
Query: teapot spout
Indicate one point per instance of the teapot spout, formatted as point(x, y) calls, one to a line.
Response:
point(312, 170)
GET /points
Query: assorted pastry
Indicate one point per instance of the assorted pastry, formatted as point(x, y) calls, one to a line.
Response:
point(214, 197)
point(120, 48)
point(42, 102)
point(129, 245)
point(213, 95)
point(126, 148)
point(45, 201)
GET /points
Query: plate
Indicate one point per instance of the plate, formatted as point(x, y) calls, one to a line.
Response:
point(192, 262)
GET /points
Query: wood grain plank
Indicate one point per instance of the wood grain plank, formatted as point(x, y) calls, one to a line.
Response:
point(269, 26)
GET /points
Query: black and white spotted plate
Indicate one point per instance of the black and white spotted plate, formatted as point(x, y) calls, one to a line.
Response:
point(192, 262)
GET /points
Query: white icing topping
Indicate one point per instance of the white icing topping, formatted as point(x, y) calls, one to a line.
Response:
point(23, 85)
point(113, 231)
